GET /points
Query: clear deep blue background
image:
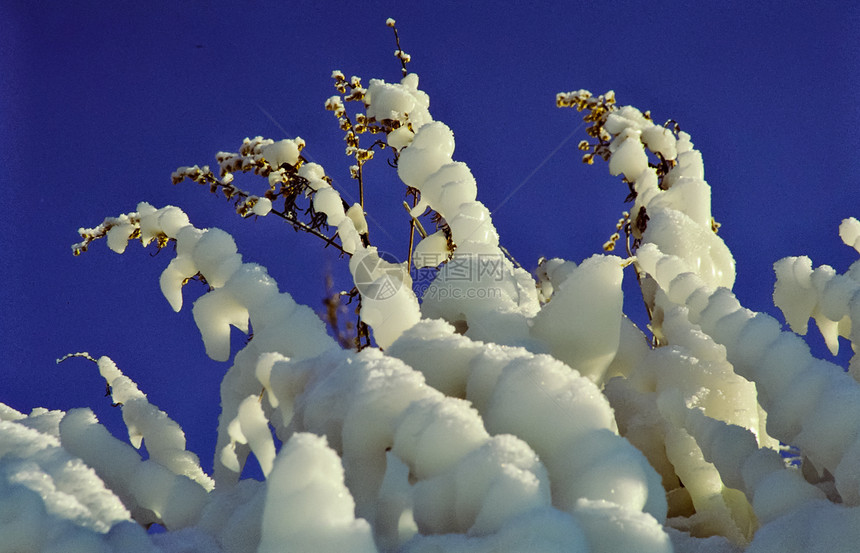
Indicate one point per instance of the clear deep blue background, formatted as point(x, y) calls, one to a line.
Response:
point(101, 101)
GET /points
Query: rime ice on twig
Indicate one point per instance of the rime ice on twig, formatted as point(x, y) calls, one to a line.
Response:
point(822, 294)
point(399, 53)
point(672, 205)
point(165, 440)
point(780, 364)
point(289, 176)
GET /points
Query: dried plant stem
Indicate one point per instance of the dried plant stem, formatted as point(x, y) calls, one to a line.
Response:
point(412, 222)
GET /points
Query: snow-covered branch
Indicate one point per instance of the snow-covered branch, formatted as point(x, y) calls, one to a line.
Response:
point(499, 412)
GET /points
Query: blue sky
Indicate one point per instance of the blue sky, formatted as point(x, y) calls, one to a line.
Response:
point(101, 102)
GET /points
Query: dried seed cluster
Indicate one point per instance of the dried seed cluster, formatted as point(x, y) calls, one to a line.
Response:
point(286, 186)
point(92, 234)
point(598, 109)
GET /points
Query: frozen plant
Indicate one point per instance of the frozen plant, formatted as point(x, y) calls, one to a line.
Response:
point(536, 418)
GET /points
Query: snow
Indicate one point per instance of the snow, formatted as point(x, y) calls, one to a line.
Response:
point(491, 485)
point(252, 427)
point(582, 324)
point(435, 339)
point(609, 529)
point(308, 507)
point(262, 207)
point(215, 256)
point(328, 201)
point(282, 151)
point(165, 440)
point(35, 468)
point(478, 287)
point(150, 491)
point(503, 412)
point(214, 313)
point(171, 219)
point(422, 435)
point(802, 292)
point(449, 187)
point(809, 402)
point(117, 237)
point(416, 163)
point(689, 195)
point(356, 214)
point(388, 304)
point(818, 527)
point(627, 117)
point(702, 250)
point(431, 251)
point(782, 492)
point(388, 101)
point(173, 277)
point(660, 140)
point(149, 228)
point(678, 209)
point(628, 158)
point(400, 137)
point(252, 286)
point(511, 389)
point(689, 165)
point(849, 231)
point(314, 173)
point(472, 224)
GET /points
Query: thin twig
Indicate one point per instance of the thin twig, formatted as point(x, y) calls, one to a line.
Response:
point(509, 256)
point(411, 233)
point(286, 216)
point(310, 230)
point(399, 49)
point(360, 185)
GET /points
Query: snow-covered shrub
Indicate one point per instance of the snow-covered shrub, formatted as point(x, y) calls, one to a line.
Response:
point(538, 417)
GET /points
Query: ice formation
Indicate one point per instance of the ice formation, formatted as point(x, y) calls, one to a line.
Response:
point(537, 417)
point(829, 298)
